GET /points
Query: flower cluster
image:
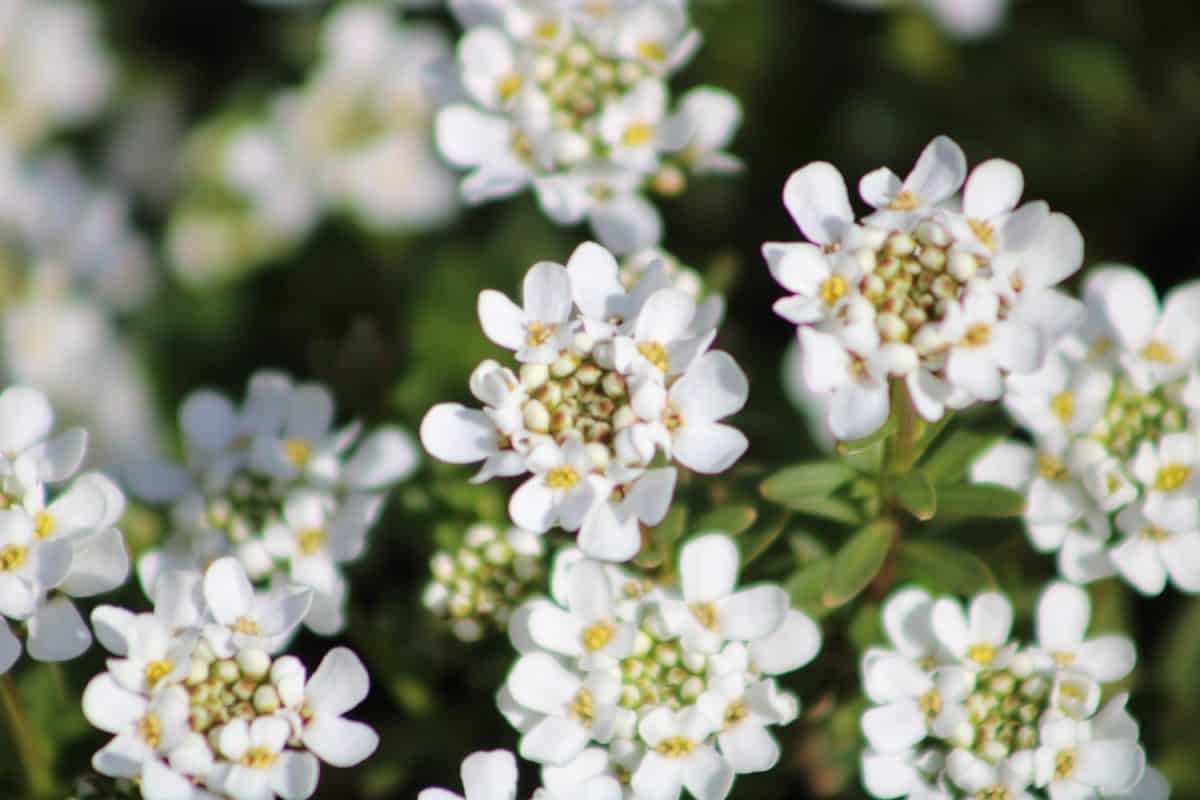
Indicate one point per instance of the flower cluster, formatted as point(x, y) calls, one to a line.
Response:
point(56, 541)
point(54, 71)
point(200, 708)
point(478, 586)
point(966, 19)
point(274, 483)
point(947, 296)
point(960, 710)
point(354, 137)
point(608, 379)
point(1116, 431)
point(571, 99)
point(624, 683)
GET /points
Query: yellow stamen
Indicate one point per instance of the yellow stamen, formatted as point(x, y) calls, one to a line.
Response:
point(157, 670)
point(1051, 468)
point(149, 728)
point(1063, 405)
point(562, 478)
point(1171, 476)
point(1064, 764)
point(735, 713)
point(904, 201)
point(1064, 658)
point(299, 451)
point(1154, 533)
point(1100, 348)
point(982, 654)
point(583, 707)
point(246, 626)
point(984, 232)
point(538, 333)
point(931, 702)
point(43, 524)
point(12, 556)
point(546, 30)
point(311, 540)
point(651, 50)
point(638, 134)
point(1159, 352)
point(598, 634)
point(258, 758)
point(508, 86)
point(656, 354)
point(833, 289)
point(706, 614)
point(675, 747)
point(978, 335)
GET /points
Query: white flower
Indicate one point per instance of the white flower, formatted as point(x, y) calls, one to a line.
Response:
point(143, 728)
point(938, 174)
point(1010, 778)
point(713, 609)
point(977, 638)
point(712, 118)
point(541, 329)
point(339, 684)
point(486, 775)
point(1078, 759)
point(608, 198)
point(589, 774)
point(987, 345)
point(635, 130)
point(257, 765)
point(854, 374)
point(244, 618)
point(589, 628)
point(677, 757)
point(1170, 473)
point(314, 541)
point(563, 490)
point(1062, 620)
point(1149, 555)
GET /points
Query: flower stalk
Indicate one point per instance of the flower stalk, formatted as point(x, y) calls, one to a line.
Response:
point(35, 762)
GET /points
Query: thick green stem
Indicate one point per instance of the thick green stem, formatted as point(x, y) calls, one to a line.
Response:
point(902, 446)
point(34, 761)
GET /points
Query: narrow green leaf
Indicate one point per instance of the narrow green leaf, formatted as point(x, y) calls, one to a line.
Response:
point(729, 519)
point(663, 537)
point(807, 586)
point(979, 500)
point(857, 563)
point(931, 434)
point(949, 462)
point(917, 494)
point(803, 481)
point(830, 508)
point(943, 567)
point(858, 445)
point(758, 541)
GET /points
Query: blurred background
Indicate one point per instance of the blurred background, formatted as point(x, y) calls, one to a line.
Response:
point(140, 260)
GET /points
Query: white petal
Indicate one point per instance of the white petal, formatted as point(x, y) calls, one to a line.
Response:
point(490, 775)
point(294, 775)
point(708, 448)
point(1111, 766)
point(816, 198)
point(553, 740)
point(99, 564)
point(539, 682)
point(795, 643)
point(503, 321)
point(208, 420)
point(533, 505)
point(939, 171)
point(991, 618)
point(752, 613)
point(227, 590)
point(340, 742)
point(1064, 612)
point(457, 434)
point(1131, 308)
point(109, 707)
point(708, 567)
point(386, 456)
point(25, 418)
point(713, 388)
point(547, 293)
point(57, 632)
point(1107, 658)
point(894, 728)
point(707, 775)
point(1181, 555)
point(994, 188)
point(657, 778)
point(607, 536)
point(856, 411)
point(799, 268)
point(1138, 562)
point(340, 683)
point(888, 776)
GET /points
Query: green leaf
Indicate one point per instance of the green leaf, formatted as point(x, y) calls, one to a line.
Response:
point(917, 495)
point(804, 481)
point(1180, 663)
point(661, 549)
point(730, 519)
point(943, 567)
point(980, 500)
point(949, 463)
point(758, 541)
point(807, 587)
point(857, 563)
point(858, 445)
point(830, 508)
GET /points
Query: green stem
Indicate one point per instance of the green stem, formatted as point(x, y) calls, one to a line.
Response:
point(902, 446)
point(34, 761)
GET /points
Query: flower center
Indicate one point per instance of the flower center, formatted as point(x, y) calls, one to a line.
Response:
point(149, 728)
point(576, 398)
point(904, 201)
point(258, 758)
point(562, 478)
point(982, 654)
point(978, 335)
point(1004, 712)
point(675, 747)
point(583, 707)
point(833, 289)
point(638, 135)
point(706, 615)
point(298, 451)
point(598, 634)
point(996, 792)
point(1133, 416)
point(661, 672)
point(508, 86)
point(1159, 352)
point(311, 540)
point(931, 703)
point(43, 524)
point(157, 670)
point(1153, 533)
point(538, 333)
point(1064, 658)
point(656, 354)
point(246, 626)
point(1172, 476)
point(1063, 406)
point(651, 50)
point(736, 713)
point(1051, 468)
point(1064, 764)
point(985, 232)
point(12, 556)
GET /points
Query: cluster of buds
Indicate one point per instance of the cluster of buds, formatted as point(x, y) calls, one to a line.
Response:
point(960, 711)
point(201, 708)
point(653, 688)
point(572, 99)
point(274, 484)
point(477, 587)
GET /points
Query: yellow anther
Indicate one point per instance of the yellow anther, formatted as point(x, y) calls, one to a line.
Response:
point(12, 556)
point(1100, 348)
point(149, 728)
point(583, 707)
point(638, 134)
point(258, 758)
point(978, 335)
point(904, 201)
point(1051, 468)
point(833, 289)
point(546, 30)
point(43, 524)
point(246, 626)
point(706, 614)
point(982, 654)
point(1063, 405)
point(675, 747)
point(538, 333)
point(735, 713)
point(1064, 764)
point(1064, 658)
point(1154, 533)
point(1159, 352)
point(562, 478)
point(651, 50)
point(299, 451)
point(311, 540)
point(157, 670)
point(508, 86)
point(598, 634)
point(931, 702)
point(656, 354)
point(1171, 476)
point(984, 232)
